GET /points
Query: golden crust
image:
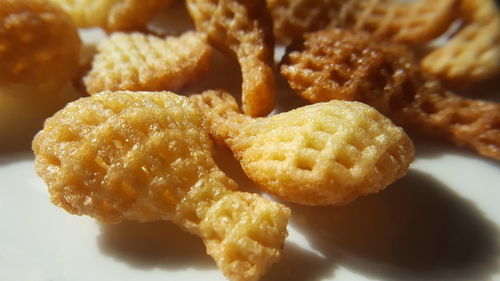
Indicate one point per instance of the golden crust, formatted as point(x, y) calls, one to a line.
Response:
point(326, 153)
point(139, 62)
point(39, 46)
point(146, 156)
point(386, 76)
point(112, 15)
point(242, 28)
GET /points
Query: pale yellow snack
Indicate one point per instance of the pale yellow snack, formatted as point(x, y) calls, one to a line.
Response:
point(39, 46)
point(147, 156)
point(136, 62)
point(473, 54)
point(326, 153)
point(242, 28)
point(112, 15)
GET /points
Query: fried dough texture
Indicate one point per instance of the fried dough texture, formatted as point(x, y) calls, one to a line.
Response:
point(146, 156)
point(39, 46)
point(349, 65)
point(473, 54)
point(414, 22)
point(112, 15)
point(242, 28)
point(326, 153)
point(140, 62)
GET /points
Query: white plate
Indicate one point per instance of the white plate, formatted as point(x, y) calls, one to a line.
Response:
point(440, 222)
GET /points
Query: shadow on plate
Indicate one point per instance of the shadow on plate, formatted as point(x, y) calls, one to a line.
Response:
point(417, 229)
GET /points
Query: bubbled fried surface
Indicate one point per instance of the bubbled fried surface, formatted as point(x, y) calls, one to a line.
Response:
point(392, 82)
point(326, 153)
point(146, 156)
point(112, 15)
point(39, 45)
point(140, 62)
point(242, 28)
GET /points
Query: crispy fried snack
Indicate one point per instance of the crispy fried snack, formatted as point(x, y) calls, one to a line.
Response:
point(410, 22)
point(348, 65)
point(326, 153)
point(112, 15)
point(146, 156)
point(473, 54)
point(138, 62)
point(39, 46)
point(242, 28)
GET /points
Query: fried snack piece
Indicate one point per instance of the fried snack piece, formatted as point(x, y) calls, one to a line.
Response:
point(242, 28)
point(349, 65)
point(326, 153)
point(138, 62)
point(39, 46)
point(146, 156)
point(112, 15)
point(410, 22)
point(473, 54)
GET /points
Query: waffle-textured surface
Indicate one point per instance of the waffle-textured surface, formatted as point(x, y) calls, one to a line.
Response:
point(326, 153)
point(242, 28)
point(146, 156)
point(112, 15)
point(473, 54)
point(39, 45)
point(386, 76)
point(139, 62)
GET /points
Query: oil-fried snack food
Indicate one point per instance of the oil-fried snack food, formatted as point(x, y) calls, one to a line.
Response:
point(147, 156)
point(242, 28)
point(349, 65)
point(326, 153)
point(140, 62)
point(39, 46)
point(410, 22)
point(112, 15)
point(473, 54)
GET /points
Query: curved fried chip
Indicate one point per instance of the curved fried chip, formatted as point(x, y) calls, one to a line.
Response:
point(385, 75)
point(39, 46)
point(112, 15)
point(146, 156)
point(326, 153)
point(473, 54)
point(139, 62)
point(242, 28)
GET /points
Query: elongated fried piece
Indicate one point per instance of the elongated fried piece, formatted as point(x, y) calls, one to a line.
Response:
point(349, 65)
point(39, 46)
point(146, 156)
point(112, 15)
point(413, 22)
point(139, 62)
point(242, 28)
point(473, 54)
point(326, 153)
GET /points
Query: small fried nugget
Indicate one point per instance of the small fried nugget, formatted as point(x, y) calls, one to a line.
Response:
point(39, 46)
point(140, 62)
point(350, 65)
point(147, 156)
point(473, 54)
point(326, 153)
point(112, 15)
point(242, 28)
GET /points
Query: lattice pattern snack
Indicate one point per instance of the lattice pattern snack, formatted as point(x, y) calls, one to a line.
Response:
point(39, 46)
point(386, 75)
point(242, 28)
point(326, 153)
point(473, 54)
point(138, 62)
point(146, 156)
point(112, 15)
